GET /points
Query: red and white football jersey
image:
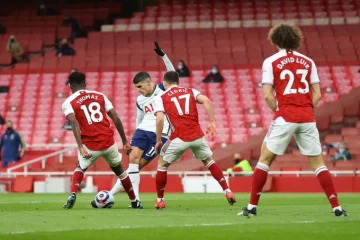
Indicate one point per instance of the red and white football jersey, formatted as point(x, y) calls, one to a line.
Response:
point(90, 109)
point(179, 105)
point(291, 74)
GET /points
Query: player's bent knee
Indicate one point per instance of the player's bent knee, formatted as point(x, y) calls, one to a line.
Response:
point(135, 155)
point(163, 163)
point(207, 161)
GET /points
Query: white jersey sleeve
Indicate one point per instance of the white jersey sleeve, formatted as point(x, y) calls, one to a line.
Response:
point(159, 106)
point(267, 72)
point(67, 108)
point(108, 104)
point(168, 64)
point(139, 115)
point(196, 93)
point(314, 77)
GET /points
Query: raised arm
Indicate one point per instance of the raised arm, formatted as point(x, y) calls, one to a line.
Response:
point(162, 54)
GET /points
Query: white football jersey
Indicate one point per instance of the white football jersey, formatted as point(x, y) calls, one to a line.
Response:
point(146, 119)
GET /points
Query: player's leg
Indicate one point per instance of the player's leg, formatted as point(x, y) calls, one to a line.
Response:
point(308, 140)
point(78, 175)
point(142, 147)
point(202, 152)
point(118, 187)
point(113, 158)
point(275, 143)
point(170, 152)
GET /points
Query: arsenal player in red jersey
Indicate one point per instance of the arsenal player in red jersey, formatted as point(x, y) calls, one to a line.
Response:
point(86, 111)
point(179, 106)
point(291, 89)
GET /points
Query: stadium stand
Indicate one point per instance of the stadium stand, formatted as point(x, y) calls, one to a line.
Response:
point(230, 34)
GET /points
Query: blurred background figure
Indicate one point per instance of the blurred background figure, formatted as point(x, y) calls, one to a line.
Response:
point(65, 49)
point(342, 153)
point(73, 23)
point(14, 47)
point(2, 29)
point(214, 75)
point(2, 120)
point(240, 165)
point(182, 69)
point(10, 144)
point(43, 10)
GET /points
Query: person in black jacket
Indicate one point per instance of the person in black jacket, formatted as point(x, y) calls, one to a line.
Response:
point(65, 49)
point(182, 69)
point(214, 75)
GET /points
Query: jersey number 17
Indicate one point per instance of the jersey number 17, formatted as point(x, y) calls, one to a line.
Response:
point(175, 100)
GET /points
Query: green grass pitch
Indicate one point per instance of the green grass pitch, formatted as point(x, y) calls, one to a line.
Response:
point(187, 216)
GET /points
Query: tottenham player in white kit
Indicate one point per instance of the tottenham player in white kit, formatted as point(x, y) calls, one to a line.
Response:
point(144, 139)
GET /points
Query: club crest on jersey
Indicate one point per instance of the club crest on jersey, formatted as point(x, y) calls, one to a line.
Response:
point(149, 108)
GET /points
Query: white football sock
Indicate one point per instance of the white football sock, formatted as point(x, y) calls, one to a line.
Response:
point(250, 206)
point(134, 175)
point(117, 187)
point(338, 207)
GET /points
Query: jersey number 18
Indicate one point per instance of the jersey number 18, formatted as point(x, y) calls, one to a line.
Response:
point(95, 115)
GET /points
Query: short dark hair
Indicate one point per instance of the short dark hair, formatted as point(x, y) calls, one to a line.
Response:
point(77, 78)
point(286, 36)
point(141, 76)
point(171, 77)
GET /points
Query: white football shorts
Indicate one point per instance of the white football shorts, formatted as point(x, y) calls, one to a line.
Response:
point(306, 135)
point(111, 156)
point(173, 149)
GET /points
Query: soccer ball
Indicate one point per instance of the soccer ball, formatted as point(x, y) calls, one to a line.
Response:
point(104, 199)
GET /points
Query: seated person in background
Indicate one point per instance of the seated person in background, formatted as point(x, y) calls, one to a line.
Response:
point(14, 47)
point(2, 120)
point(73, 23)
point(65, 49)
point(182, 69)
point(342, 153)
point(214, 75)
point(240, 165)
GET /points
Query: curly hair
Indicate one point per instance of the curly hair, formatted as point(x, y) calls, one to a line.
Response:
point(286, 36)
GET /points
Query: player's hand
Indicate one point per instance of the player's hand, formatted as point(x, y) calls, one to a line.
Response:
point(127, 148)
point(158, 146)
point(84, 153)
point(211, 130)
point(158, 50)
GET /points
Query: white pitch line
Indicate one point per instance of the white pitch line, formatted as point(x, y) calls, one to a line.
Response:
point(150, 226)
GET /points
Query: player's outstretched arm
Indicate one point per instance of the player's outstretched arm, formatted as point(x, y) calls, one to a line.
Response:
point(269, 96)
point(316, 93)
point(162, 54)
point(159, 128)
point(202, 99)
point(76, 130)
point(119, 126)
